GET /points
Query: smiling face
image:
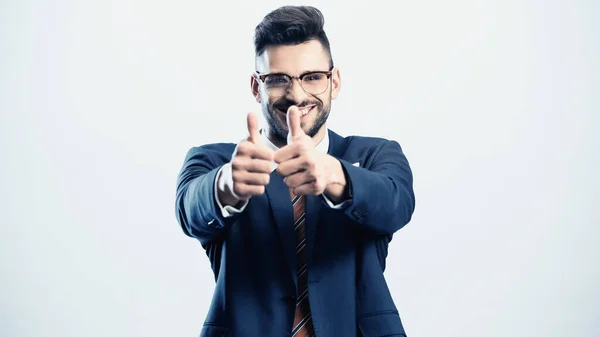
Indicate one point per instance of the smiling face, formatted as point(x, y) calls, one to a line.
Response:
point(295, 60)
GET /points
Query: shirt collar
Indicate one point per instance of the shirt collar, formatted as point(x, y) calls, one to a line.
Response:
point(323, 145)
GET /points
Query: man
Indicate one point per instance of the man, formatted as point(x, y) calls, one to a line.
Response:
point(296, 219)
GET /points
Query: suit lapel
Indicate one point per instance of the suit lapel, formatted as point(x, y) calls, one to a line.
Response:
point(283, 212)
point(336, 145)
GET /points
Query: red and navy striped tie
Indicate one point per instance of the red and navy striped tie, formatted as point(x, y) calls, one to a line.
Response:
point(303, 325)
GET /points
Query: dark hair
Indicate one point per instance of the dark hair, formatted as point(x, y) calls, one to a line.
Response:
point(291, 25)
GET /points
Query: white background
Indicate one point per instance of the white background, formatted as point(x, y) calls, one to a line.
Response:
point(495, 103)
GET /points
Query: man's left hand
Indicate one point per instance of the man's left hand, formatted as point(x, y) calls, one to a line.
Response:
point(305, 170)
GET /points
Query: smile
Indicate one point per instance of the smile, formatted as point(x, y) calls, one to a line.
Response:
point(304, 111)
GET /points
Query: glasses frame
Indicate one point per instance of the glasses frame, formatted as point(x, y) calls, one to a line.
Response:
point(328, 73)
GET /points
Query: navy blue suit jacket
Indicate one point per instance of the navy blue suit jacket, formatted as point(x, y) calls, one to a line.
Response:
point(253, 253)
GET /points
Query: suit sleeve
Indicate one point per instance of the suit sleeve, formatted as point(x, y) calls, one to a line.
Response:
point(196, 208)
point(383, 200)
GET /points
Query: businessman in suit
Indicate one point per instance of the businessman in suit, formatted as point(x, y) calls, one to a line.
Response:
point(296, 219)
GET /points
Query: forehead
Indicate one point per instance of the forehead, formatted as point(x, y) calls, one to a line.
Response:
point(293, 59)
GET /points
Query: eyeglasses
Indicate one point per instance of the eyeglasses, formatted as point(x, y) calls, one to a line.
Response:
point(277, 84)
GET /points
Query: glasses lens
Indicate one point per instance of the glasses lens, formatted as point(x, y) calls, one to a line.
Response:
point(277, 84)
point(315, 83)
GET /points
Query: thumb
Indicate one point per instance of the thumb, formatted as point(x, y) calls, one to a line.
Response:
point(293, 122)
point(254, 134)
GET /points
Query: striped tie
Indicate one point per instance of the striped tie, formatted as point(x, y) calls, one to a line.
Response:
point(303, 326)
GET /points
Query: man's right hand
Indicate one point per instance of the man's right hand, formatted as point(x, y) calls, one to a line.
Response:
point(249, 171)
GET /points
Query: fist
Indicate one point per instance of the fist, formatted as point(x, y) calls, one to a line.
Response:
point(305, 170)
point(249, 169)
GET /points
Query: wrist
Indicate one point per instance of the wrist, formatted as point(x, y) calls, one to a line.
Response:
point(335, 172)
point(336, 188)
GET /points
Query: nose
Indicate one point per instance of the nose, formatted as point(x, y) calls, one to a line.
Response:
point(295, 92)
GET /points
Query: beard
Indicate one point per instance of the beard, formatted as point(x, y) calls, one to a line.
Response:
point(279, 129)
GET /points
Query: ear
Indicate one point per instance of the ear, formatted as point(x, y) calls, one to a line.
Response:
point(336, 83)
point(254, 86)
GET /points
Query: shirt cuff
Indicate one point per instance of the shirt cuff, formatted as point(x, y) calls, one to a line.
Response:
point(341, 205)
point(227, 210)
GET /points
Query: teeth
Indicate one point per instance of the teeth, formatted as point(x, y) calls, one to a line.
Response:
point(305, 110)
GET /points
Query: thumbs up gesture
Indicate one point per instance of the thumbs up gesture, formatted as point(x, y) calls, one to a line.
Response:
point(305, 170)
point(249, 169)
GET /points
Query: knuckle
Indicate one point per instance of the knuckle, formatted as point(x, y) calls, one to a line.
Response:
point(237, 163)
point(319, 184)
point(264, 166)
point(302, 146)
point(244, 147)
point(239, 189)
point(311, 163)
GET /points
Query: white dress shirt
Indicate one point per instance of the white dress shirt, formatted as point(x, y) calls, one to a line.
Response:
point(228, 210)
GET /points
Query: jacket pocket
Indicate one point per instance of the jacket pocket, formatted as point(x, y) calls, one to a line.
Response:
point(209, 330)
point(381, 324)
